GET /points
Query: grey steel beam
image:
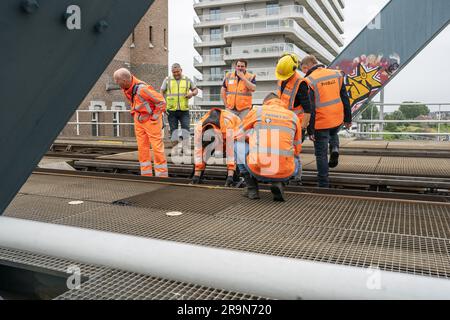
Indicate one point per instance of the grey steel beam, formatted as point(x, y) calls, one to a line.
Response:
point(52, 55)
point(387, 44)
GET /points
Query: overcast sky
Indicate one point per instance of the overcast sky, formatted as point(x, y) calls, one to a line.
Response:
point(419, 81)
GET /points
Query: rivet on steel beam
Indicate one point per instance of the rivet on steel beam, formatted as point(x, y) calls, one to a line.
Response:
point(101, 26)
point(29, 6)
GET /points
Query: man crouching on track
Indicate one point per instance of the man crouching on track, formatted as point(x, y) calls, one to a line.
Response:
point(268, 147)
point(214, 133)
point(147, 107)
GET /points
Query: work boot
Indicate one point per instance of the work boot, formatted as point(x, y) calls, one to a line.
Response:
point(196, 180)
point(277, 189)
point(252, 190)
point(334, 157)
point(229, 182)
point(295, 181)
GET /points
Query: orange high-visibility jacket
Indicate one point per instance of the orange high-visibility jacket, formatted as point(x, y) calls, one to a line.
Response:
point(327, 84)
point(238, 95)
point(146, 103)
point(275, 138)
point(224, 122)
point(290, 92)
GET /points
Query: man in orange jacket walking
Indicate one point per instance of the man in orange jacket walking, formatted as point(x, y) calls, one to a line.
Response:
point(147, 107)
point(268, 147)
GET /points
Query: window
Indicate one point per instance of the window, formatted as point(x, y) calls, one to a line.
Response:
point(216, 34)
point(214, 14)
point(214, 51)
point(216, 74)
point(215, 94)
point(273, 23)
point(216, 70)
point(150, 35)
point(272, 8)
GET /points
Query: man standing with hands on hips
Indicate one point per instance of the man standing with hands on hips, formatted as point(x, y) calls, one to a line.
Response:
point(238, 88)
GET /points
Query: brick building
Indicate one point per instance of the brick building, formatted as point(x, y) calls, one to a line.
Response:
point(145, 53)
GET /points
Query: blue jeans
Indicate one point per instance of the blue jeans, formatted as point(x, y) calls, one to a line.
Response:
point(325, 139)
point(184, 119)
point(241, 150)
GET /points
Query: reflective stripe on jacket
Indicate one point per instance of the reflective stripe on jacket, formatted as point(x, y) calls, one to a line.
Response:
point(226, 125)
point(274, 136)
point(176, 94)
point(146, 103)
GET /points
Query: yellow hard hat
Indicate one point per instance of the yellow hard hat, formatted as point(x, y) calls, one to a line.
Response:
point(286, 66)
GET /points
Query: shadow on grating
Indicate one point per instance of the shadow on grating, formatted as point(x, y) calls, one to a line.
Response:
point(83, 188)
point(186, 199)
point(46, 209)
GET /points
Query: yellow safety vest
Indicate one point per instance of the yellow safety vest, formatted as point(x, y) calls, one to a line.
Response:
point(176, 94)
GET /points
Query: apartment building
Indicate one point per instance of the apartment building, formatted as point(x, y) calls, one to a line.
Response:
point(260, 31)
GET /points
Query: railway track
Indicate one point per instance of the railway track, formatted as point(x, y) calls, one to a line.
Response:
point(59, 148)
point(85, 159)
point(352, 188)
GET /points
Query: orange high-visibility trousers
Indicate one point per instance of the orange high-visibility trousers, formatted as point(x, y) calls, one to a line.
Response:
point(148, 135)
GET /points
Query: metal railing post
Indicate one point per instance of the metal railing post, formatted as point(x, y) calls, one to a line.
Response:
point(78, 123)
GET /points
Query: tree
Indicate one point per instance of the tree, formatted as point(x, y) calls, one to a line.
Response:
point(370, 112)
point(412, 110)
point(392, 126)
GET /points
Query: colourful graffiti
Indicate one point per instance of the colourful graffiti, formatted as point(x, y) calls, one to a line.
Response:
point(366, 75)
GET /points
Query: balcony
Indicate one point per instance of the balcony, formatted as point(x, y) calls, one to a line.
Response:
point(287, 27)
point(337, 7)
point(208, 20)
point(273, 50)
point(210, 80)
point(214, 100)
point(331, 14)
point(202, 4)
point(209, 61)
point(209, 41)
point(299, 13)
point(208, 100)
point(319, 15)
point(262, 74)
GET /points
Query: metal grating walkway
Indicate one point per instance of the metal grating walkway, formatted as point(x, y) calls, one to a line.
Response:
point(392, 235)
point(109, 284)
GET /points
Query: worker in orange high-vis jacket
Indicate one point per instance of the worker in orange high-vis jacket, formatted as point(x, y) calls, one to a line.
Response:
point(293, 90)
point(237, 89)
point(147, 107)
point(215, 131)
point(268, 147)
point(331, 110)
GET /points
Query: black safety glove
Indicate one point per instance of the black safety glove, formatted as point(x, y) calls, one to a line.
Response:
point(229, 182)
point(196, 180)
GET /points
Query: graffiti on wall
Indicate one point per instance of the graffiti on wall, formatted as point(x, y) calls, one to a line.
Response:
point(366, 75)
